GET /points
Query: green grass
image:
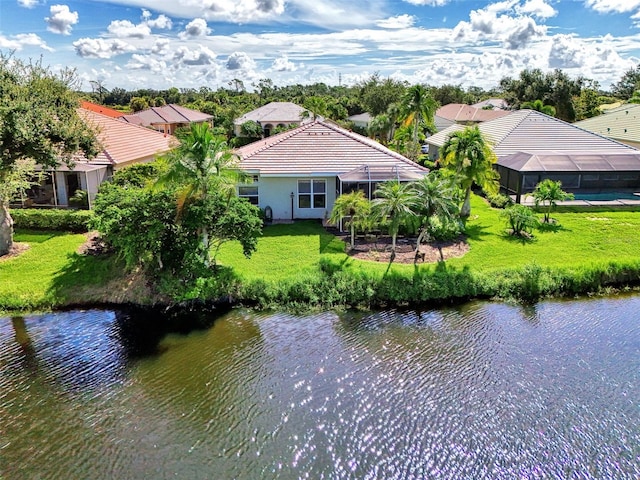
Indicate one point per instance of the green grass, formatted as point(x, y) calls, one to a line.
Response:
point(50, 273)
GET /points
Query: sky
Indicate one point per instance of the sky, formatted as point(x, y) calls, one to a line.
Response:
point(159, 44)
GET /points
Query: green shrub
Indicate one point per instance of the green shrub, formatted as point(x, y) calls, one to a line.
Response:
point(521, 220)
point(499, 200)
point(52, 219)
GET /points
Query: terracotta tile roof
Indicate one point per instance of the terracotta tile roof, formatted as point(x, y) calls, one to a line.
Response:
point(167, 114)
point(124, 143)
point(274, 112)
point(94, 107)
point(531, 131)
point(621, 123)
point(319, 148)
point(461, 113)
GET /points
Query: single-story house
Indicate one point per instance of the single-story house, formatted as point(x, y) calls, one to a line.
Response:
point(468, 114)
point(621, 124)
point(168, 118)
point(123, 145)
point(274, 115)
point(532, 146)
point(299, 173)
point(492, 104)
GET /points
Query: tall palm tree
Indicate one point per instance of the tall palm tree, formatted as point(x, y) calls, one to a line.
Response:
point(201, 165)
point(548, 193)
point(437, 199)
point(353, 205)
point(469, 156)
point(417, 109)
point(539, 106)
point(395, 202)
point(380, 128)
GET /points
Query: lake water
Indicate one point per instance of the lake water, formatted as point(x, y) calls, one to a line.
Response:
point(483, 390)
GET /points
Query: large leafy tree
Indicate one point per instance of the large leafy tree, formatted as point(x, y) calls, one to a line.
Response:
point(470, 158)
point(39, 121)
point(539, 106)
point(547, 194)
point(629, 83)
point(395, 202)
point(202, 165)
point(377, 94)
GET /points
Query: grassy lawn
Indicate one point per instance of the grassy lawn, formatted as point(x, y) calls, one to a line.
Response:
point(579, 238)
point(50, 272)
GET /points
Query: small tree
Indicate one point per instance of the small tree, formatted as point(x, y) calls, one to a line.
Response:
point(521, 219)
point(353, 205)
point(251, 129)
point(394, 202)
point(547, 194)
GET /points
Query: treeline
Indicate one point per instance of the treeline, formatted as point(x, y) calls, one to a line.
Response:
point(571, 98)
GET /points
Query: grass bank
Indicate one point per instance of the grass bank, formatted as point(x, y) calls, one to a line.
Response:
point(303, 266)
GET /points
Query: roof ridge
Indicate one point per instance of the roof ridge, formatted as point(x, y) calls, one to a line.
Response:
point(276, 139)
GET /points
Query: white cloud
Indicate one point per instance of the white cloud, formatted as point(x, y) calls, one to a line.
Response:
point(282, 64)
point(161, 46)
point(613, 6)
point(162, 22)
point(21, 40)
point(401, 21)
point(29, 3)
point(537, 8)
point(240, 61)
point(61, 19)
point(199, 56)
point(429, 3)
point(146, 62)
point(126, 29)
point(196, 28)
point(99, 48)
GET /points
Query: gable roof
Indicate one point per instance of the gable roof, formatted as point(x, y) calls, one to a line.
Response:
point(94, 107)
point(274, 112)
point(621, 123)
point(462, 113)
point(320, 148)
point(532, 131)
point(571, 162)
point(122, 142)
point(167, 114)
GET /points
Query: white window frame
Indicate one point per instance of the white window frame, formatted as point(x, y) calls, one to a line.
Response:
point(312, 194)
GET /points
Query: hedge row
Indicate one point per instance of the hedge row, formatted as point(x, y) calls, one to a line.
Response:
point(76, 221)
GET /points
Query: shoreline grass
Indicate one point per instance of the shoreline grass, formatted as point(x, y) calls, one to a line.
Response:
point(301, 265)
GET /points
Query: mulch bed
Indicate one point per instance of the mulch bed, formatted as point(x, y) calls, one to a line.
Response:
point(378, 249)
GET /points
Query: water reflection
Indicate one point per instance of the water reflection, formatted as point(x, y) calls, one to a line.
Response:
point(477, 391)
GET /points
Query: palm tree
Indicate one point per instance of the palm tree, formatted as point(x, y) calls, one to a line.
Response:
point(539, 106)
point(417, 109)
point(469, 156)
point(437, 198)
point(395, 202)
point(353, 205)
point(200, 166)
point(548, 193)
point(380, 128)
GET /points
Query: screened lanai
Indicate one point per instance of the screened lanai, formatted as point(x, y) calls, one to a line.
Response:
point(366, 177)
point(579, 172)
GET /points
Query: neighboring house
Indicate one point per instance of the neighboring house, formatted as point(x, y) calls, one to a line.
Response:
point(467, 114)
point(621, 124)
point(492, 104)
point(123, 144)
point(168, 118)
point(299, 173)
point(360, 120)
point(532, 146)
point(274, 115)
point(94, 107)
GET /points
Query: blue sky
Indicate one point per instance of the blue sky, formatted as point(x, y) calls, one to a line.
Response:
point(192, 43)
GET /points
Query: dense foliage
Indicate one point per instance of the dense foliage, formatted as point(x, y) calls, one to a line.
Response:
point(54, 219)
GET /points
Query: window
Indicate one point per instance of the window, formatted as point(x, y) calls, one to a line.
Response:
point(250, 192)
point(312, 194)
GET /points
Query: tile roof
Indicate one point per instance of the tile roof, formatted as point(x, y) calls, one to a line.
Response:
point(621, 123)
point(94, 107)
point(124, 143)
point(572, 162)
point(167, 114)
point(319, 148)
point(273, 112)
point(461, 113)
point(531, 131)
point(496, 103)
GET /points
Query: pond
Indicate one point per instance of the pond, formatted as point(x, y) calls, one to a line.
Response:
point(482, 390)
